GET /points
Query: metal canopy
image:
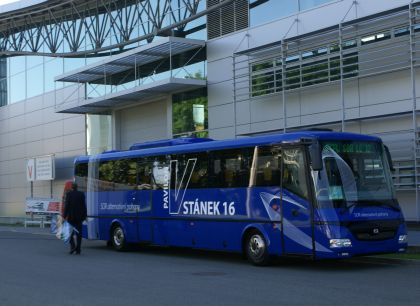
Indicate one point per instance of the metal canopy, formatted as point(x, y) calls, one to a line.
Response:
point(124, 66)
point(138, 95)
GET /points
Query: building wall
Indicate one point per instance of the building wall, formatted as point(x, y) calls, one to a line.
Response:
point(32, 128)
point(142, 123)
point(371, 97)
point(378, 105)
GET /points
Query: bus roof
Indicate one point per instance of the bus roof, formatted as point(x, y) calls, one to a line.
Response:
point(189, 147)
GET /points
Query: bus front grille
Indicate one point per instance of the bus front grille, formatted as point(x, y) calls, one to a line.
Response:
point(374, 230)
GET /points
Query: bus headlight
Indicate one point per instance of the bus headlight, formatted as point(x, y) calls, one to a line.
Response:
point(402, 239)
point(340, 243)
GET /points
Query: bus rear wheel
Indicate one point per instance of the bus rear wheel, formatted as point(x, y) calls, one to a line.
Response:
point(118, 238)
point(257, 249)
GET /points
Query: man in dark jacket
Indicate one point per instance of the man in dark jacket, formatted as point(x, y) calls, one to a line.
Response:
point(75, 213)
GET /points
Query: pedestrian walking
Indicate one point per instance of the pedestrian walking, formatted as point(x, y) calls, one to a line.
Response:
point(75, 213)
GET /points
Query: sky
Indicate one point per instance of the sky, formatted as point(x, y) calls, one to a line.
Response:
point(7, 1)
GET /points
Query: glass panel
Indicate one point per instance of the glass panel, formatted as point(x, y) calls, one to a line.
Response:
point(3, 81)
point(125, 174)
point(53, 68)
point(81, 174)
point(35, 75)
point(230, 168)
point(268, 167)
point(354, 173)
point(190, 114)
point(106, 176)
point(144, 174)
point(307, 4)
point(98, 134)
point(262, 12)
point(294, 174)
point(17, 79)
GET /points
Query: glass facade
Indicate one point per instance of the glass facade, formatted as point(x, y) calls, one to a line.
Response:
point(3, 81)
point(98, 134)
point(190, 114)
point(265, 11)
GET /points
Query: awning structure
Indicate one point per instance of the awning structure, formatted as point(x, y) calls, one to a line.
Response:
point(158, 58)
point(136, 95)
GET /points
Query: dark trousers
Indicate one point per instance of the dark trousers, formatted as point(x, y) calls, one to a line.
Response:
point(76, 246)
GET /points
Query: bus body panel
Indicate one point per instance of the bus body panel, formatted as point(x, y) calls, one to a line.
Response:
point(218, 218)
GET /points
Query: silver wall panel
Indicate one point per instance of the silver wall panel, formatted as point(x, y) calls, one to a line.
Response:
point(221, 133)
point(17, 109)
point(17, 151)
point(220, 93)
point(143, 123)
point(243, 113)
point(49, 130)
point(32, 128)
point(17, 137)
point(222, 116)
point(74, 125)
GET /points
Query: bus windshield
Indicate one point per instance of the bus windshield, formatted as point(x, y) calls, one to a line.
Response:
point(354, 174)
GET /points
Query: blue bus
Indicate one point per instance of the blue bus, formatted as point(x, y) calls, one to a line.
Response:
point(320, 194)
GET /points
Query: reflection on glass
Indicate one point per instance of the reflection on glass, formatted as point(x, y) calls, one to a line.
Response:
point(35, 73)
point(354, 174)
point(98, 134)
point(265, 11)
point(17, 78)
point(53, 67)
point(189, 114)
point(3, 81)
point(307, 4)
point(271, 10)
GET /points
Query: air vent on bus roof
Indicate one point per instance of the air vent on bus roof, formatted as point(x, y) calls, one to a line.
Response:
point(168, 143)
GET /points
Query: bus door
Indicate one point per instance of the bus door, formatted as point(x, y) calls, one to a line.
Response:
point(144, 201)
point(295, 202)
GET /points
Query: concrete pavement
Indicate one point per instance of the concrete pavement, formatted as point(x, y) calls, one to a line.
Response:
point(413, 234)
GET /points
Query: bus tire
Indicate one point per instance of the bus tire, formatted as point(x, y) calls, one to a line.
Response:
point(118, 238)
point(256, 249)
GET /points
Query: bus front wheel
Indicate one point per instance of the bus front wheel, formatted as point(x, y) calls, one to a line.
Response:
point(257, 249)
point(118, 238)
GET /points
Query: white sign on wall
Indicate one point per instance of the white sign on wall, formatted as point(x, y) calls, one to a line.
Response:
point(40, 168)
point(44, 168)
point(30, 169)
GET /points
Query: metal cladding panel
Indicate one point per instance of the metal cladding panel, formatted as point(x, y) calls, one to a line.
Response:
point(228, 19)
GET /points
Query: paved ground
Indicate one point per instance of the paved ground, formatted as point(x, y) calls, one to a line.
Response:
point(37, 270)
point(414, 238)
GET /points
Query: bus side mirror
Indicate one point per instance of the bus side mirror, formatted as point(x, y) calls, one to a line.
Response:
point(388, 156)
point(316, 156)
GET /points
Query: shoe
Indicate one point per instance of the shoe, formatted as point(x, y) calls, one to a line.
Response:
point(77, 253)
point(72, 251)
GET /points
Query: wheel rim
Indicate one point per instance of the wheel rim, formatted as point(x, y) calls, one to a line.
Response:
point(256, 246)
point(118, 236)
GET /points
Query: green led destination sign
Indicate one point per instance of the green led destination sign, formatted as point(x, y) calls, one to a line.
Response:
point(353, 147)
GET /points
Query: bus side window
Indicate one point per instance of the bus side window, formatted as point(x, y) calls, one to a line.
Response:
point(294, 174)
point(124, 174)
point(199, 176)
point(106, 176)
point(231, 168)
point(268, 166)
point(160, 172)
point(80, 175)
point(144, 174)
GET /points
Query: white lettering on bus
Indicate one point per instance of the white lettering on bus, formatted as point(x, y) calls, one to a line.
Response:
point(165, 199)
point(208, 208)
